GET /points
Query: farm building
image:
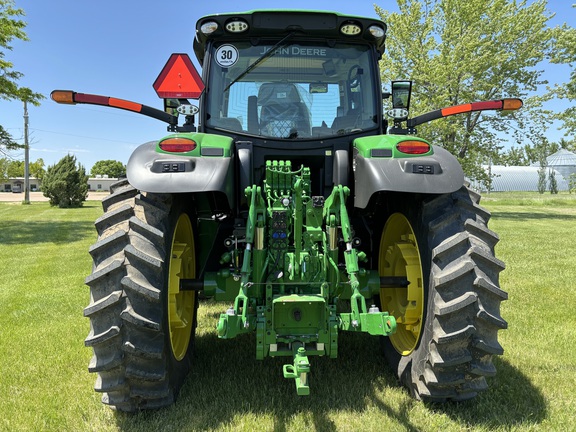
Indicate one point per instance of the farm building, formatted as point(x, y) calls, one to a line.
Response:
point(517, 178)
point(562, 161)
point(525, 178)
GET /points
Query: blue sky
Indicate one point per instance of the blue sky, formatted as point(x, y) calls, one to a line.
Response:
point(117, 48)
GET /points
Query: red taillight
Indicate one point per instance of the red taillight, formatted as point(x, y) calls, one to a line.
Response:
point(178, 145)
point(413, 147)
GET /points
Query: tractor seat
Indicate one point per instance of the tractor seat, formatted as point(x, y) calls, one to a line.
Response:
point(282, 113)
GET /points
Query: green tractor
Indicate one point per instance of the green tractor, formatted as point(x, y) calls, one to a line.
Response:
point(295, 197)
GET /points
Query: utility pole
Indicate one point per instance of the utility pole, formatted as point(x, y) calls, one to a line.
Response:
point(26, 157)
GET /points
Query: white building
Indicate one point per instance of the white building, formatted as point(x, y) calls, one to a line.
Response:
point(562, 161)
point(16, 184)
point(518, 178)
point(101, 183)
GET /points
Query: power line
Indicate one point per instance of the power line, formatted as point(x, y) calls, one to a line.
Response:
point(85, 137)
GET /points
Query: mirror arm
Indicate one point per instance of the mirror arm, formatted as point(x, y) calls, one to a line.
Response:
point(73, 98)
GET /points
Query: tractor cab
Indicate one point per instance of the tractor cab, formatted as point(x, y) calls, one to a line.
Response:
point(295, 91)
point(317, 79)
point(308, 89)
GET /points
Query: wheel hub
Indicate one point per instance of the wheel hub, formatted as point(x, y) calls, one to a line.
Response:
point(399, 256)
point(181, 303)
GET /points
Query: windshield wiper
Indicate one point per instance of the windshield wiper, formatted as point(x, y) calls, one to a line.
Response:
point(259, 60)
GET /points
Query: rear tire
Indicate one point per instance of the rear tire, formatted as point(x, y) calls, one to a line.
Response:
point(131, 307)
point(450, 354)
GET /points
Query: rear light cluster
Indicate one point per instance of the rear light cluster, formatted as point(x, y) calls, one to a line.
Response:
point(413, 147)
point(178, 145)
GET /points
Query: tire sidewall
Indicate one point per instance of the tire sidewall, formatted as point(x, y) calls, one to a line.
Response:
point(405, 366)
point(177, 369)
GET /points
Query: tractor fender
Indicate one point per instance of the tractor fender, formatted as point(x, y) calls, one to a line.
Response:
point(438, 173)
point(150, 171)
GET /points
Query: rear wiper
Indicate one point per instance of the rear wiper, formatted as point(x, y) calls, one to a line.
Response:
point(259, 60)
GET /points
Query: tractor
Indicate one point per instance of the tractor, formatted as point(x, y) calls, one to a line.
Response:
point(296, 192)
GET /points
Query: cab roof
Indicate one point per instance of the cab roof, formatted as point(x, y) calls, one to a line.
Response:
point(277, 23)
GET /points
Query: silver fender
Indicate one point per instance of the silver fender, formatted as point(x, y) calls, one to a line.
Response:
point(147, 171)
point(439, 173)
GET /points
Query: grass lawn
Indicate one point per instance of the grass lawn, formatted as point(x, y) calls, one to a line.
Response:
point(45, 384)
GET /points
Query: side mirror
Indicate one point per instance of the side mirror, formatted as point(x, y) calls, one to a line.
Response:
point(401, 91)
point(171, 105)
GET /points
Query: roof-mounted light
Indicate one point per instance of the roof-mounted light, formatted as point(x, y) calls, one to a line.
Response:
point(350, 28)
point(236, 26)
point(376, 31)
point(209, 27)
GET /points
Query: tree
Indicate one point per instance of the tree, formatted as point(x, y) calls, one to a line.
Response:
point(11, 27)
point(566, 53)
point(4, 162)
point(572, 183)
point(459, 51)
point(6, 141)
point(514, 156)
point(15, 168)
point(111, 168)
point(542, 174)
point(553, 182)
point(36, 169)
point(65, 184)
point(569, 145)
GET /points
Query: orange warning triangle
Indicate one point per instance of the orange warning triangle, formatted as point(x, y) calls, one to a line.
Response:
point(179, 79)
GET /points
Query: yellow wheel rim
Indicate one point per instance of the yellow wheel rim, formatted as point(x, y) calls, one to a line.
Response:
point(399, 256)
point(181, 303)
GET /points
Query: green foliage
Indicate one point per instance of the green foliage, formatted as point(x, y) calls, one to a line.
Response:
point(6, 141)
point(15, 168)
point(540, 151)
point(12, 27)
point(65, 184)
point(552, 181)
point(36, 169)
point(542, 173)
point(566, 53)
point(4, 162)
point(572, 183)
point(111, 168)
point(542, 180)
point(514, 156)
point(459, 51)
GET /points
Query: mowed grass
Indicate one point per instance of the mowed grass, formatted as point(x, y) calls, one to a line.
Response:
point(45, 384)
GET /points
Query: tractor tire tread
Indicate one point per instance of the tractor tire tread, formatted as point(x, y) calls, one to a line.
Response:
point(126, 334)
point(460, 334)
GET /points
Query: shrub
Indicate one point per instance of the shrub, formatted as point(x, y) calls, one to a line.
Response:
point(553, 182)
point(65, 184)
point(572, 183)
point(542, 180)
